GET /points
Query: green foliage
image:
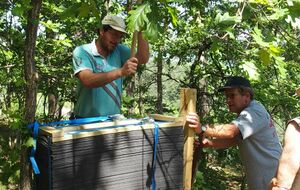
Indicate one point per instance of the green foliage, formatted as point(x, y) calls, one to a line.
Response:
point(173, 12)
point(20, 8)
point(13, 136)
point(81, 9)
point(226, 20)
point(138, 19)
point(209, 180)
point(201, 42)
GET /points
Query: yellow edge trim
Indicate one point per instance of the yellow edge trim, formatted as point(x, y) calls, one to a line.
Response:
point(58, 138)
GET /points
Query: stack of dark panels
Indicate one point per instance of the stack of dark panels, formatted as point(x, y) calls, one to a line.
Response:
point(112, 161)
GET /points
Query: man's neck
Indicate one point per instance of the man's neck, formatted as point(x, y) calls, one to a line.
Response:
point(102, 51)
point(245, 107)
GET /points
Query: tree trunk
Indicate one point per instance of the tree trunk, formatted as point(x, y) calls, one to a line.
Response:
point(31, 86)
point(159, 101)
point(52, 94)
point(52, 105)
point(199, 160)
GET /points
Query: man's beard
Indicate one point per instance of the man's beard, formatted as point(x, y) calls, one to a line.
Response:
point(106, 47)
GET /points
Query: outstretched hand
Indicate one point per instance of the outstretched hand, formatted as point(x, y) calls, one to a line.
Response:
point(194, 123)
point(273, 185)
point(130, 66)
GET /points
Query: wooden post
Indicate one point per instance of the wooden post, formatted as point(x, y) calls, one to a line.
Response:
point(133, 43)
point(188, 98)
point(134, 36)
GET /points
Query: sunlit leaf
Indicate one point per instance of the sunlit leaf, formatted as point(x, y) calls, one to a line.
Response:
point(251, 68)
point(264, 56)
point(173, 12)
point(263, 2)
point(70, 11)
point(52, 26)
point(152, 32)
point(294, 8)
point(138, 19)
point(18, 11)
point(29, 142)
point(230, 33)
point(279, 14)
point(281, 65)
point(84, 10)
point(257, 36)
point(275, 49)
point(226, 19)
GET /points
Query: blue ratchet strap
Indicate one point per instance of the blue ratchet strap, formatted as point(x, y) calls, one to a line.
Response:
point(156, 134)
point(35, 127)
point(78, 121)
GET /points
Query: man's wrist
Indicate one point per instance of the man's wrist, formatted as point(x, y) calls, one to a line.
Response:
point(203, 129)
point(120, 72)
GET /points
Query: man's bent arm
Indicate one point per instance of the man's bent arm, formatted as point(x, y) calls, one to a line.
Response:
point(290, 159)
point(142, 53)
point(219, 143)
point(93, 80)
point(222, 131)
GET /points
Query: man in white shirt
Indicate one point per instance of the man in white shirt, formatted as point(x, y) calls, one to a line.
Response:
point(252, 131)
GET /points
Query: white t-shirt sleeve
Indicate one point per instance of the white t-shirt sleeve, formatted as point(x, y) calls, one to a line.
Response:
point(250, 122)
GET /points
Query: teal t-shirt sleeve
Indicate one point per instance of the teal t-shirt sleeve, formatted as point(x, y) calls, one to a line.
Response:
point(124, 53)
point(81, 60)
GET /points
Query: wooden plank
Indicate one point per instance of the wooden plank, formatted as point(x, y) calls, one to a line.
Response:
point(59, 132)
point(159, 117)
point(50, 131)
point(74, 135)
point(95, 129)
point(188, 98)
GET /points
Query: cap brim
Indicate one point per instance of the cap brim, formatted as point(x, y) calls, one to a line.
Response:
point(226, 87)
point(118, 29)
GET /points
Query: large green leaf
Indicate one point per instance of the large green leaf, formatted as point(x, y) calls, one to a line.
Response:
point(138, 19)
point(21, 7)
point(84, 10)
point(173, 12)
point(152, 31)
point(52, 26)
point(70, 11)
point(264, 56)
point(294, 7)
point(258, 38)
point(226, 19)
point(279, 13)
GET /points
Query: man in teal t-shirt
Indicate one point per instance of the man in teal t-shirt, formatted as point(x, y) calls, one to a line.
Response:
point(100, 66)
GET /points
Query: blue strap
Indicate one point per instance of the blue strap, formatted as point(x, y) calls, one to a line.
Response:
point(79, 121)
point(35, 130)
point(35, 127)
point(156, 134)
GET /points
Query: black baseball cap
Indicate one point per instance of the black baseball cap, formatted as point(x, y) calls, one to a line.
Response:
point(236, 82)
